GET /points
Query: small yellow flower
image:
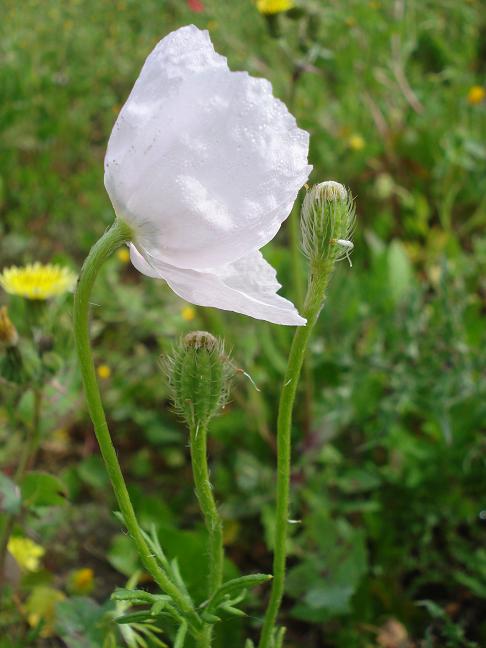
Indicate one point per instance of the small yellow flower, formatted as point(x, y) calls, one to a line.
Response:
point(41, 606)
point(188, 313)
point(123, 255)
point(476, 95)
point(8, 333)
point(81, 581)
point(356, 142)
point(269, 7)
point(37, 281)
point(104, 371)
point(26, 552)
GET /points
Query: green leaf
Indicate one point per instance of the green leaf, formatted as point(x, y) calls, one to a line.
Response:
point(279, 637)
point(181, 636)
point(42, 489)
point(82, 623)
point(122, 555)
point(92, 472)
point(135, 617)
point(400, 271)
point(235, 587)
point(10, 499)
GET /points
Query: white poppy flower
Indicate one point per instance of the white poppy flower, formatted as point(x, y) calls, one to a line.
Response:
point(204, 165)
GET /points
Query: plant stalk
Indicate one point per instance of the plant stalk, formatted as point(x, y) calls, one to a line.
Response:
point(212, 519)
point(314, 301)
point(113, 238)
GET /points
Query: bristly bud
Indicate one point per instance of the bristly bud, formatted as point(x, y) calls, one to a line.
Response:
point(327, 223)
point(199, 375)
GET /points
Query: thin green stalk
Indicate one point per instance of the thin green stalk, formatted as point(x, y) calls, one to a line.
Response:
point(212, 519)
point(313, 304)
point(209, 509)
point(118, 234)
point(27, 457)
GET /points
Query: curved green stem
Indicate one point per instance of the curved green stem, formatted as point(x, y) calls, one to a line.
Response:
point(118, 234)
point(212, 519)
point(313, 304)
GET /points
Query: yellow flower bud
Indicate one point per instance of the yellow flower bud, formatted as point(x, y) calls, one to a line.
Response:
point(356, 142)
point(81, 581)
point(103, 371)
point(188, 313)
point(123, 255)
point(476, 95)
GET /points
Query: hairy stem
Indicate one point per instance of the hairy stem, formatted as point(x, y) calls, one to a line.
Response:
point(118, 234)
point(212, 519)
point(313, 304)
point(209, 509)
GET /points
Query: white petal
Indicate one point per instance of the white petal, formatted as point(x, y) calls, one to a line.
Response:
point(248, 286)
point(203, 163)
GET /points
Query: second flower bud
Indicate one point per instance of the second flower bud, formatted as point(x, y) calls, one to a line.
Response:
point(199, 375)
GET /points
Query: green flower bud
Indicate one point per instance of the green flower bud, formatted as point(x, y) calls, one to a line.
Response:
point(327, 222)
point(199, 375)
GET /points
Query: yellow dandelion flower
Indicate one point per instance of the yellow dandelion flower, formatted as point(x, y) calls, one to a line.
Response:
point(81, 581)
point(188, 313)
point(37, 281)
point(26, 552)
point(8, 333)
point(270, 7)
point(356, 142)
point(123, 255)
point(104, 371)
point(476, 95)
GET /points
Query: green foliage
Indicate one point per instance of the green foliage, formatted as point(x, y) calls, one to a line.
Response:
point(10, 497)
point(42, 489)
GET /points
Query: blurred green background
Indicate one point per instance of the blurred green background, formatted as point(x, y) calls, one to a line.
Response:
point(389, 449)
